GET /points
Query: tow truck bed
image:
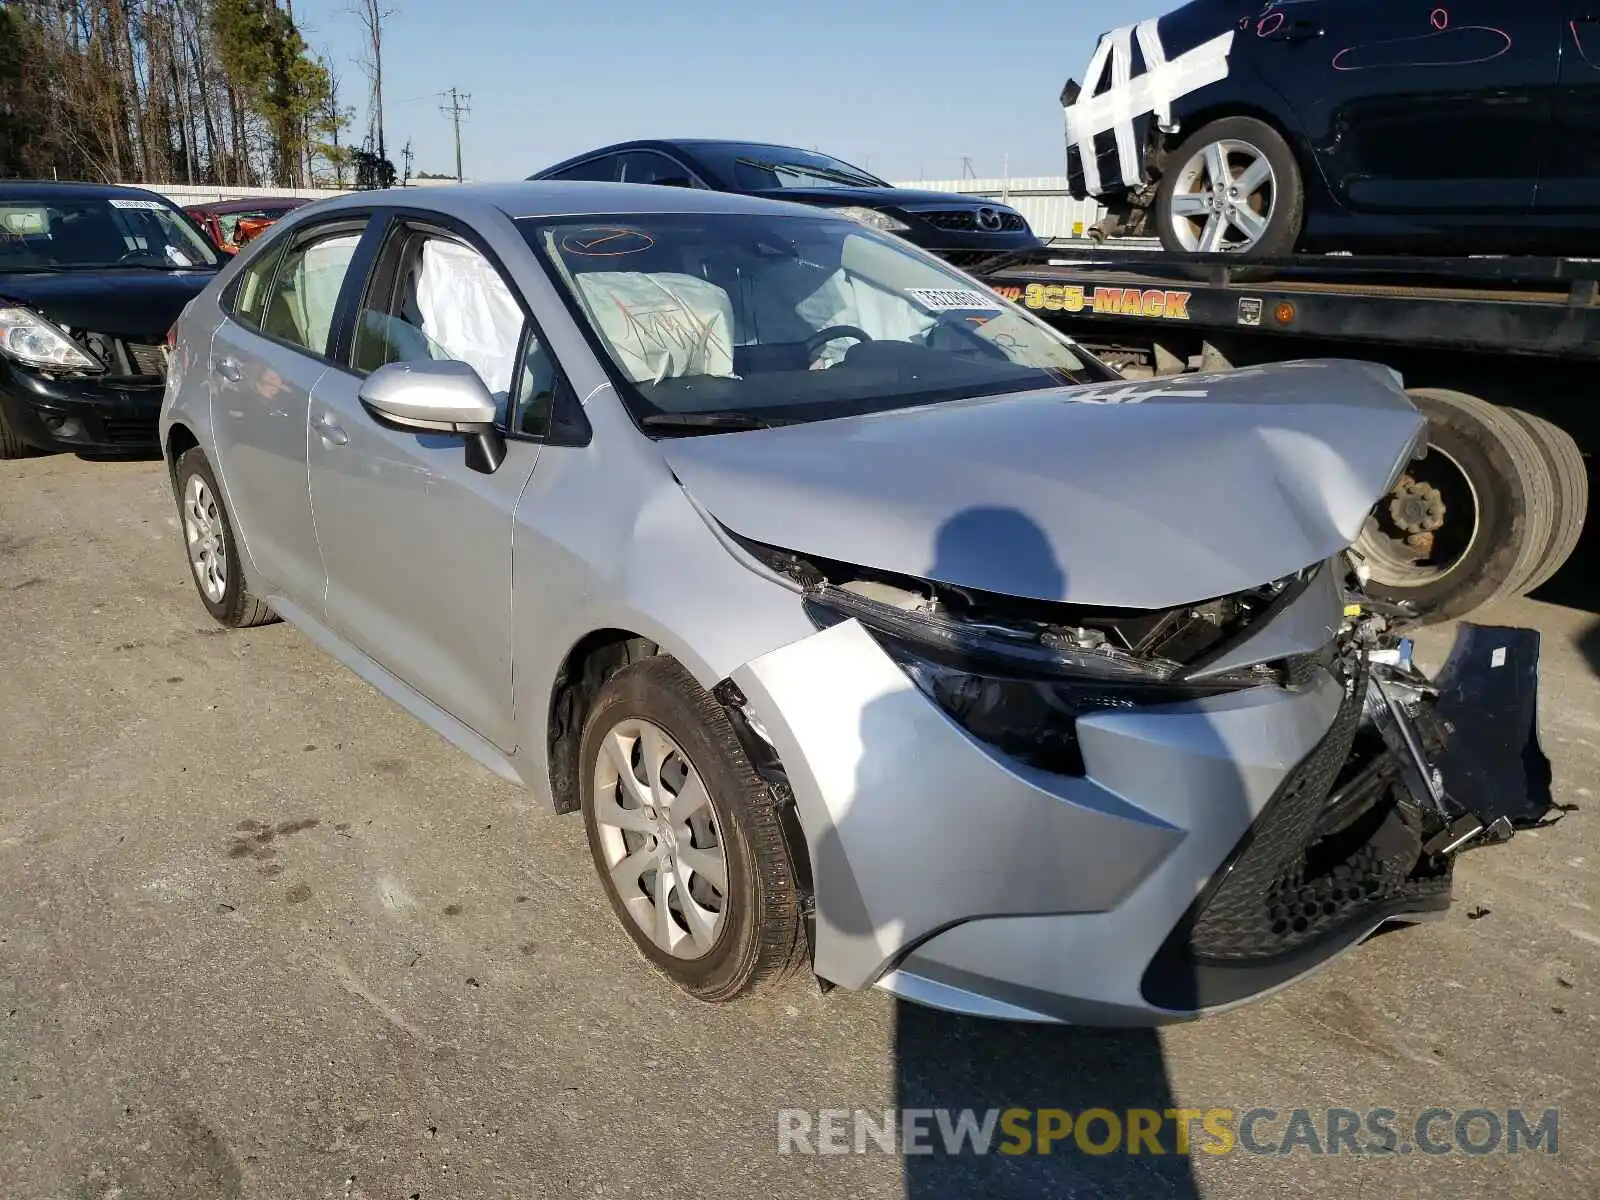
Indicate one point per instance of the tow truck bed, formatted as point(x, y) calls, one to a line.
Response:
point(1526, 306)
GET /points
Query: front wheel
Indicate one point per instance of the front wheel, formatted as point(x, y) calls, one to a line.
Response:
point(1231, 187)
point(11, 446)
point(685, 836)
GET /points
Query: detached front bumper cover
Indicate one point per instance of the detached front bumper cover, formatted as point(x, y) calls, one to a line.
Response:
point(1368, 825)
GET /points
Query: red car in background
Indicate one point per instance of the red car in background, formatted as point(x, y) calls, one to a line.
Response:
point(232, 223)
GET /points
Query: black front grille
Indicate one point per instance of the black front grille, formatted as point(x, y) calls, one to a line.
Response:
point(965, 220)
point(130, 431)
point(959, 220)
point(1329, 852)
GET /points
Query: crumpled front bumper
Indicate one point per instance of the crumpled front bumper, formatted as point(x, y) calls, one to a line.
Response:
point(85, 415)
point(1170, 880)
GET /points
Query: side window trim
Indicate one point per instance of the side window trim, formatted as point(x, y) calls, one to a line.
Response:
point(343, 223)
point(389, 241)
point(272, 259)
point(689, 172)
point(352, 296)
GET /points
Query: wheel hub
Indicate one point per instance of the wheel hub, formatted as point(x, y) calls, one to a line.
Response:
point(1416, 507)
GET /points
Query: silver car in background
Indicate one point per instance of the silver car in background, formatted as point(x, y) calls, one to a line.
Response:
point(875, 629)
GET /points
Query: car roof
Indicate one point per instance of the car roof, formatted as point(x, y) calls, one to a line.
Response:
point(247, 204)
point(47, 189)
point(663, 144)
point(557, 198)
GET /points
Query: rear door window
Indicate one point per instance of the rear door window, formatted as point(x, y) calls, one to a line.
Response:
point(596, 170)
point(305, 291)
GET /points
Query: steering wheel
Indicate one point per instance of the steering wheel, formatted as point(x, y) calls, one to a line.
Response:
point(822, 337)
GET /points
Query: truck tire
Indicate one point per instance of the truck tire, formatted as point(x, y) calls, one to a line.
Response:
point(1245, 146)
point(1471, 522)
point(1571, 475)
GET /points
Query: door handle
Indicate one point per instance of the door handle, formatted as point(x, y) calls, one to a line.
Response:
point(228, 368)
point(1294, 31)
point(329, 430)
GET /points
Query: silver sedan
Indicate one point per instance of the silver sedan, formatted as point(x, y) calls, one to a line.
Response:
point(876, 629)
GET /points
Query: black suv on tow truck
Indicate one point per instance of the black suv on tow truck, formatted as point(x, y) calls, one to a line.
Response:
point(91, 279)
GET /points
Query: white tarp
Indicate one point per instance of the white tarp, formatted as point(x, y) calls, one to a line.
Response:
point(1129, 97)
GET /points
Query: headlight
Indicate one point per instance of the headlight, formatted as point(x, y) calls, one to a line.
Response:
point(1018, 692)
point(28, 338)
point(874, 218)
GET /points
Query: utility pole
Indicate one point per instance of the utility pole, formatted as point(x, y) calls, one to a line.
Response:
point(460, 106)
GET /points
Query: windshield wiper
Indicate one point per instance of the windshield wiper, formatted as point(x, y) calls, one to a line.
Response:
point(711, 420)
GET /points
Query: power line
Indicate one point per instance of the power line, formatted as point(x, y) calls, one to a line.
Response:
point(460, 106)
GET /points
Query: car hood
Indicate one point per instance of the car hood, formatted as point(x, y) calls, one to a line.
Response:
point(125, 302)
point(875, 197)
point(1125, 495)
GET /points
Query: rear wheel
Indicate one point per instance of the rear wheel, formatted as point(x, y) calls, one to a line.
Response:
point(211, 546)
point(1231, 187)
point(1470, 522)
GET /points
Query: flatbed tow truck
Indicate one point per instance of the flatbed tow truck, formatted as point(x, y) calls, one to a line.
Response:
point(1502, 355)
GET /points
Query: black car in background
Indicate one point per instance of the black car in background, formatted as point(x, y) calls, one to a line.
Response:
point(1445, 126)
point(91, 279)
point(964, 229)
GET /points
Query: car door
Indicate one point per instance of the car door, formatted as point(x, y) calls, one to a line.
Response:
point(1417, 105)
point(417, 544)
point(1570, 178)
point(266, 358)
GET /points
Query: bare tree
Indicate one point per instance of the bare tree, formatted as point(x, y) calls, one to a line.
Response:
point(372, 14)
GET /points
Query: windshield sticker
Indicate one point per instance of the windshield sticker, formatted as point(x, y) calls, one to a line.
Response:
point(140, 205)
point(952, 300)
point(177, 257)
point(1102, 301)
point(607, 242)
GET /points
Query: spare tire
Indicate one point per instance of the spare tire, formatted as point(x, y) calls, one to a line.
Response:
point(1470, 522)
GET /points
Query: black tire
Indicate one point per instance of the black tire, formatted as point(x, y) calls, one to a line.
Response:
point(11, 446)
point(762, 941)
point(237, 609)
point(1511, 490)
point(1288, 202)
point(1571, 474)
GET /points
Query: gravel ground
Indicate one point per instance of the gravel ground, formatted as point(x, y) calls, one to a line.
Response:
point(261, 935)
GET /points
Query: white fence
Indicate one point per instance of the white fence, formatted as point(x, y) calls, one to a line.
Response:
point(183, 193)
point(1044, 201)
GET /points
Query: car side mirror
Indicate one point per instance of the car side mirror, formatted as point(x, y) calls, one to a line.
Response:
point(439, 396)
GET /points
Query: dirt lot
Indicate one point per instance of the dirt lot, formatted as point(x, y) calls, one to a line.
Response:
point(261, 935)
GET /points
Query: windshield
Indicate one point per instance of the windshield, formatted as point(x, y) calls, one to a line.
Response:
point(761, 168)
point(96, 232)
point(777, 318)
point(228, 222)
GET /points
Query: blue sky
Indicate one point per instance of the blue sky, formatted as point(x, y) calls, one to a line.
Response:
point(903, 87)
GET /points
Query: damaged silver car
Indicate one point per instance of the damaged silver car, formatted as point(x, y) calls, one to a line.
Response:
point(875, 629)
